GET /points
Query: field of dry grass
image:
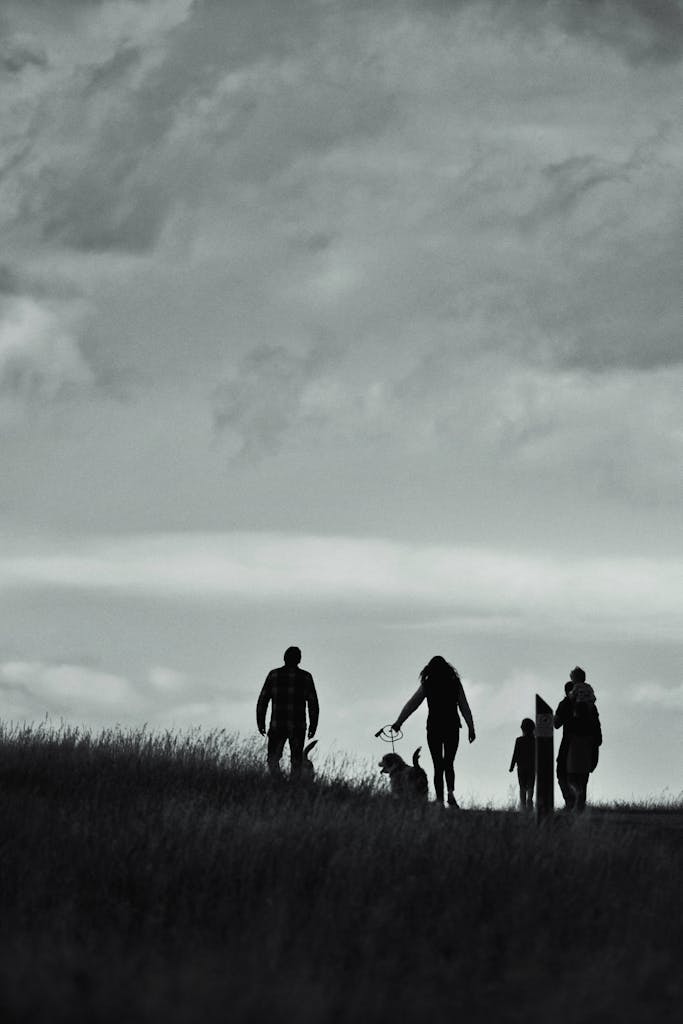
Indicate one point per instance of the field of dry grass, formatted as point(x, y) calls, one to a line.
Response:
point(165, 877)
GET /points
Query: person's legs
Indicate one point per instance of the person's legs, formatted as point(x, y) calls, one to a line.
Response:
point(450, 749)
point(571, 782)
point(526, 790)
point(579, 783)
point(276, 744)
point(296, 751)
point(562, 778)
point(581, 791)
point(435, 744)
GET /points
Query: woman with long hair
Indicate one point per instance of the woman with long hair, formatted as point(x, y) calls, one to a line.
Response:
point(440, 685)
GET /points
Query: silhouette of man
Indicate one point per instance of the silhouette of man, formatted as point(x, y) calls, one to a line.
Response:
point(290, 690)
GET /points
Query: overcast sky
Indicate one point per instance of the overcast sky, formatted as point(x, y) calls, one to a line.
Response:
point(354, 325)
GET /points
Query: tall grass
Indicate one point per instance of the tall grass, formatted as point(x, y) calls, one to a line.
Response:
point(164, 876)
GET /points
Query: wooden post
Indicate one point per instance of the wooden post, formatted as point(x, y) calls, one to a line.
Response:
point(545, 774)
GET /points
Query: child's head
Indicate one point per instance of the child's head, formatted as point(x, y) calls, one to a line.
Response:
point(582, 693)
point(528, 727)
point(577, 675)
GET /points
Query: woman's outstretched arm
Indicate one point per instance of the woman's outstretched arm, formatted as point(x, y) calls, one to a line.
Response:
point(466, 713)
point(409, 707)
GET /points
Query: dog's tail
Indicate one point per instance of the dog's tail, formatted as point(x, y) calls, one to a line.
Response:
point(309, 747)
point(416, 758)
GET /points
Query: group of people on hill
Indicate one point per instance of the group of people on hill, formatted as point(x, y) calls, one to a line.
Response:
point(577, 756)
point(291, 692)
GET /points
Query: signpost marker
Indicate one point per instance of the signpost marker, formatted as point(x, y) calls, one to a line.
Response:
point(545, 775)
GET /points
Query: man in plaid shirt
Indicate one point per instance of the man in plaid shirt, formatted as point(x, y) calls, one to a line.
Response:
point(290, 689)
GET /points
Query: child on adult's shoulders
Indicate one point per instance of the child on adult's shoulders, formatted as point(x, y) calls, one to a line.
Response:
point(581, 691)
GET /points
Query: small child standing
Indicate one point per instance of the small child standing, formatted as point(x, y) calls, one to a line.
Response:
point(524, 756)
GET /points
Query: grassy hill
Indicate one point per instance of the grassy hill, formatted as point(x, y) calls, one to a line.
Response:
point(163, 877)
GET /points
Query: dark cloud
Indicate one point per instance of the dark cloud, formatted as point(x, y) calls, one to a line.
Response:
point(9, 280)
point(111, 188)
point(132, 133)
point(93, 212)
point(114, 197)
point(610, 297)
point(51, 286)
point(301, 81)
point(104, 75)
point(58, 8)
point(630, 305)
point(644, 31)
point(16, 54)
point(246, 30)
point(564, 184)
point(261, 403)
point(49, 5)
point(85, 174)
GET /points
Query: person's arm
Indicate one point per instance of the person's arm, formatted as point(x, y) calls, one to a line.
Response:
point(262, 703)
point(411, 705)
point(313, 708)
point(466, 713)
point(561, 713)
point(513, 762)
point(598, 727)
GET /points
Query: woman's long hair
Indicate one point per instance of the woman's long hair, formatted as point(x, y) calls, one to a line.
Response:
point(438, 673)
point(442, 688)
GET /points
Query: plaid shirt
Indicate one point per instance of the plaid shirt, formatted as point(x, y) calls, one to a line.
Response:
point(290, 692)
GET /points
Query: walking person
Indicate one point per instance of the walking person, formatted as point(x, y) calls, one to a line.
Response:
point(291, 691)
point(583, 732)
point(440, 685)
point(524, 757)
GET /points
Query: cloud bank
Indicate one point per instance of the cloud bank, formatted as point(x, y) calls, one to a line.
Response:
point(82, 693)
point(460, 584)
